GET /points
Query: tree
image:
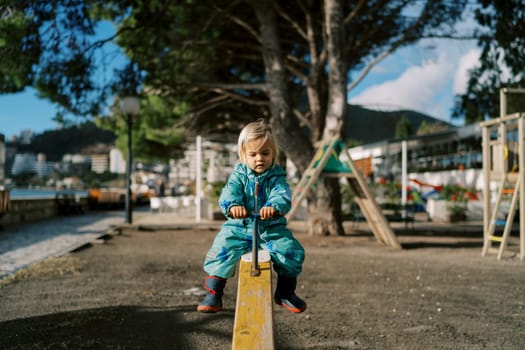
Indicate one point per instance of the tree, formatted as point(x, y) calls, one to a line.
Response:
point(403, 128)
point(154, 137)
point(502, 61)
point(329, 112)
point(230, 62)
point(16, 59)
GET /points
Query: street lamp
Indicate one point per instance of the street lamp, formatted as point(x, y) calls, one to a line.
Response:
point(130, 107)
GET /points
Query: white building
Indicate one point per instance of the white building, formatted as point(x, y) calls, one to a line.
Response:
point(117, 163)
point(99, 163)
point(29, 163)
point(24, 163)
point(218, 161)
point(25, 136)
point(75, 163)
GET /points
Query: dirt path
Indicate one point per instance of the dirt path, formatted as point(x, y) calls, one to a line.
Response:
point(140, 290)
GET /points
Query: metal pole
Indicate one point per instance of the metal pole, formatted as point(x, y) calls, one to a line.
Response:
point(198, 179)
point(256, 271)
point(521, 179)
point(404, 180)
point(128, 174)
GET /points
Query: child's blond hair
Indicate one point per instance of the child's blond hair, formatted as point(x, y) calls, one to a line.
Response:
point(255, 131)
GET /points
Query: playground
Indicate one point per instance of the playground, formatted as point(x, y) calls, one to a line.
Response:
point(140, 291)
point(381, 286)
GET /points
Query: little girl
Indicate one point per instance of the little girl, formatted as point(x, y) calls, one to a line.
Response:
point(257, 153)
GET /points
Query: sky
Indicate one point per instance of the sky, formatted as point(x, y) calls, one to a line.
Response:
point(424, 77)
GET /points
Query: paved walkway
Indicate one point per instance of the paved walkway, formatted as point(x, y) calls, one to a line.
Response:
point(23, 245)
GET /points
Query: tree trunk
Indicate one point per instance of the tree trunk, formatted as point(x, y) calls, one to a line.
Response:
point(329, 195)
point(291, 138)
point(324, 208)
point(316, 81)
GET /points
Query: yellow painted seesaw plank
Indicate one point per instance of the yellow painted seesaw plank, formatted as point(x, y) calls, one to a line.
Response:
point(253, 327)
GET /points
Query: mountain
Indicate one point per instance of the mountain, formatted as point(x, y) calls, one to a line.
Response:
point(362, 125)
point(55, 143)
point(366, 125)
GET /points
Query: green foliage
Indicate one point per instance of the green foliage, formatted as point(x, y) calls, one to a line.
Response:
point(403, 128)
point(203, 59)
point(17, 49)
point(93, 180)
point(347, 195)
point(458, 197)
point(155, 137)
point(353, 143)
point(502, 61)
point(457, 193)
point(213, 191)
point(26, 179)
point(389, 191)
point(423, 129)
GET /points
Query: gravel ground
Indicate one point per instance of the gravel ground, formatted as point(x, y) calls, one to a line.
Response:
point(140, 289)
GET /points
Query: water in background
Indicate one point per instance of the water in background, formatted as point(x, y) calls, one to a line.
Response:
point(29, 193)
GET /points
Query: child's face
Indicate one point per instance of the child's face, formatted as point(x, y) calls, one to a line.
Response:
point(259, 155)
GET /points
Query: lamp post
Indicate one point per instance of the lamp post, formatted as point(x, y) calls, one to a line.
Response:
point(130, 107)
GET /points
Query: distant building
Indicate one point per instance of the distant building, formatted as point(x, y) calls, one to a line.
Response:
point(25, 163)
point(99, 163)
point(28, 163)
point(218, 160)
point(10, 153)
point(75, 164)
point(457, 148)
point(25, 136)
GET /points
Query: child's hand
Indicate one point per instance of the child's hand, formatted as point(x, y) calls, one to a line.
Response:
point(267, 212)
point(238, 212)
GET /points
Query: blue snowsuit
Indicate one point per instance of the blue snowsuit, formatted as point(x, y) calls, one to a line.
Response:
point(235, 237)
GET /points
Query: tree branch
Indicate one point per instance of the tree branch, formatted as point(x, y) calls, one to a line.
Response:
point(369, 67)
point(222, 86)
point(303, 118)
point(241, 23)
point(293, 23)
point(354, 13)
point(396, 44)
point(241, 98)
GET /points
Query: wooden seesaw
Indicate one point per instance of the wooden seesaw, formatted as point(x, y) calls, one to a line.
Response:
point(253, 326)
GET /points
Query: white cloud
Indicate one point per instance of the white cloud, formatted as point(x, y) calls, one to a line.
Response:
point(466, 62)
point(415, 88)
point(429, 75)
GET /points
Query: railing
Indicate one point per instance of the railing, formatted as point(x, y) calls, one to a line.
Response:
point(25, 209)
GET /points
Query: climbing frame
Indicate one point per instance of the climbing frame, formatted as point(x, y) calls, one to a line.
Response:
point(503, 165)
point(326, 158)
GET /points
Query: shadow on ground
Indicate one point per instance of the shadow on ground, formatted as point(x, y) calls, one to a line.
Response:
point(120, 327)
